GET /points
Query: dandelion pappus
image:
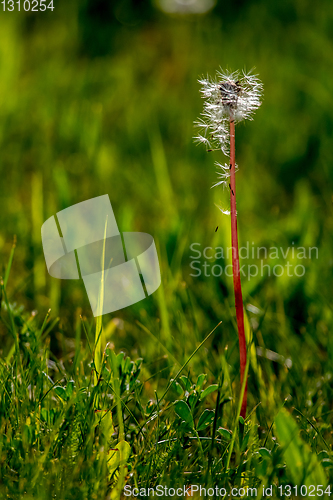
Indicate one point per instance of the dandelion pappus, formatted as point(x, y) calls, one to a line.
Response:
point(229, 92)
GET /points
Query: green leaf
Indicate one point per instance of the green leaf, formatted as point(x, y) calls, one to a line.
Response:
point(265, 453)
point(47, 415)
point(225, 433)
point(120, 359)
point(245, 441)
point(127, 365)
point(118, 455)
point(302, 462)
point(103, 418)
point(208, 390)
point(206, 419)
point(183, 411)
point(177, 387)
point(322, 454)
point(61, 392)
point(70, 388)
point(327, 462)
point(192, 400)
point(186, 381)
point(201, 381)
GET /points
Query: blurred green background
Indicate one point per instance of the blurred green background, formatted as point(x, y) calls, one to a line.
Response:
point(99, 97)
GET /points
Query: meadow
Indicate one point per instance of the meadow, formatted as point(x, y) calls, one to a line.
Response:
point(100, 98)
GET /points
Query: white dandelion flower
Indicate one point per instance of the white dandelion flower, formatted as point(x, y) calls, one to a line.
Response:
point(230, 96)
point(229, 99)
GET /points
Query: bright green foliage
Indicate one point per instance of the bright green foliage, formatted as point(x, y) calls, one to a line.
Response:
point(303, 465)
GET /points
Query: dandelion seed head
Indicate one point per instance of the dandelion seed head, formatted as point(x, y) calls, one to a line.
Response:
point(235, 95)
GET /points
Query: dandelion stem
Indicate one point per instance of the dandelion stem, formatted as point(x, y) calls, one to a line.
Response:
point(229, 99)
point(235, 265)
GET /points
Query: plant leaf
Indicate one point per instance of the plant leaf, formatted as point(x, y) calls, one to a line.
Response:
point(177, 387)
point(183, 411)
point(61, 392)
point(70, 388)
point(265, 453)
point(208, 390)
point(186, 381)
point(200, 381)
point(225, 433)
point(206, 419)
point(104, 419)
point(122, 448)
point(302, 463)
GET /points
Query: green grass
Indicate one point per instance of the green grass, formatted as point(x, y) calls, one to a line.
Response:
point(85, 112)
point(180, 420)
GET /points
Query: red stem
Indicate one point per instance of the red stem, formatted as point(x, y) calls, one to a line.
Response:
point(235, 265)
